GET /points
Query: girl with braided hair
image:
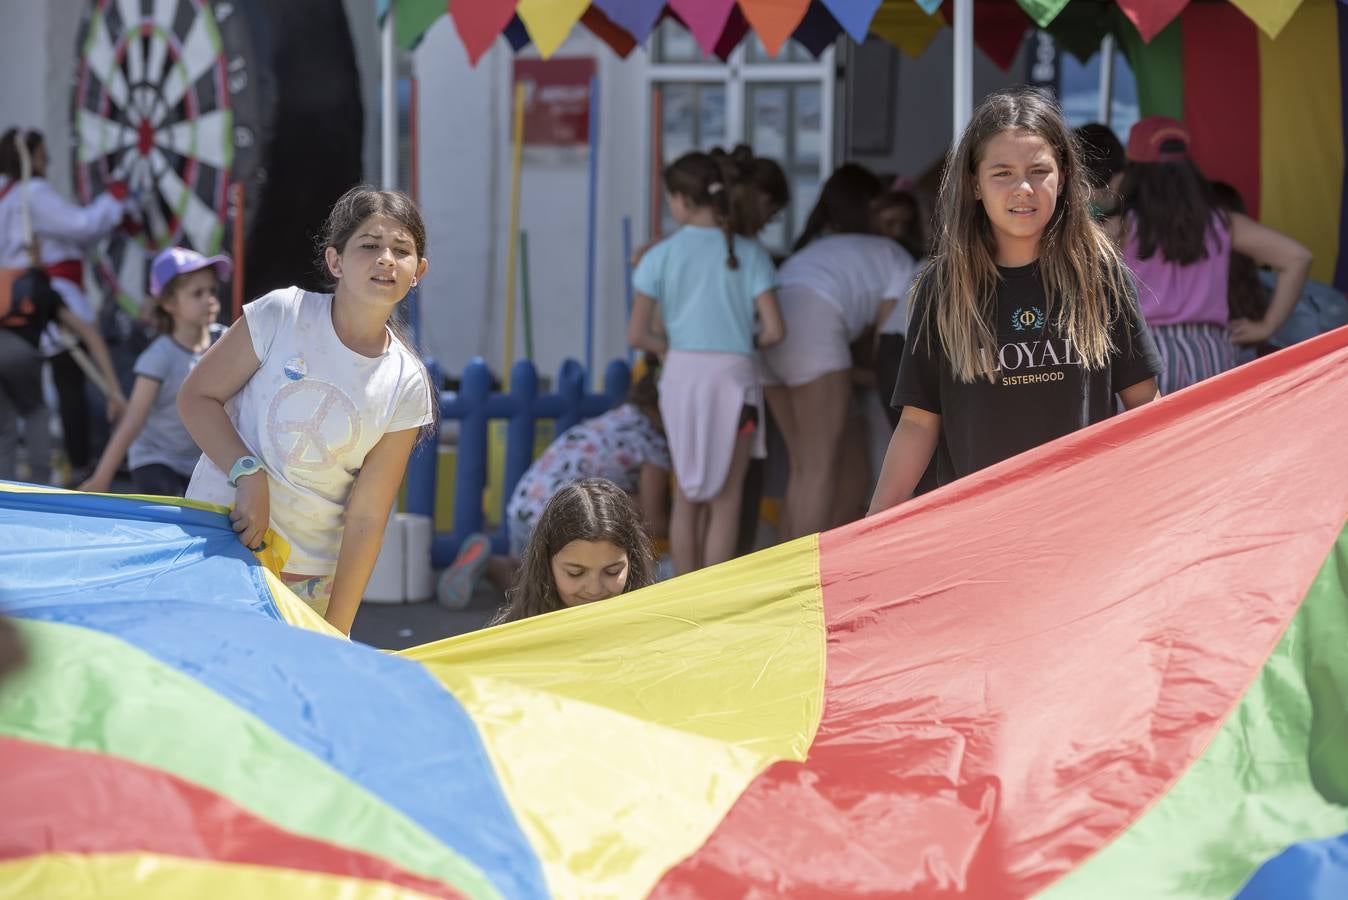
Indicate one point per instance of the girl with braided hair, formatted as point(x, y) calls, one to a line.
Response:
point(704, 298)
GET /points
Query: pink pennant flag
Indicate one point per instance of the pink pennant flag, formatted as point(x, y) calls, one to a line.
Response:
point(705, 19)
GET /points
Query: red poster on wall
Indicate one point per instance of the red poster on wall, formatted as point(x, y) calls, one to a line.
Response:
point(556, 100)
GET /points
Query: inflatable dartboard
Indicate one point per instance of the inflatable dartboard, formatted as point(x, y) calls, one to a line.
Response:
point(176, 98)
point(183, 98)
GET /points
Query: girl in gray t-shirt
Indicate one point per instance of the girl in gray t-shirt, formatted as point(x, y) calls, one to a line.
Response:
point(161, 454)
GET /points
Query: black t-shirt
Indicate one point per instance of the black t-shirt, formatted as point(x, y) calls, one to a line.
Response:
point(34, 303)
point(1041, 391)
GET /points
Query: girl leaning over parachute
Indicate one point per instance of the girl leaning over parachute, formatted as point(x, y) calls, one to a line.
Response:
point(307, 409)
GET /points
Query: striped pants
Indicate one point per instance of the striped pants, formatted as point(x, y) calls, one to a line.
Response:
point(1191, 352)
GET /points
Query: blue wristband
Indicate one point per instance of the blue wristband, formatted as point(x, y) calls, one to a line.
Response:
point(244, 465)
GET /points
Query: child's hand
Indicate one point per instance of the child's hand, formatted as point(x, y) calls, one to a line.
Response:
point(1247, 331)
point(116, 405)
point(96, 484)
point(252, 509)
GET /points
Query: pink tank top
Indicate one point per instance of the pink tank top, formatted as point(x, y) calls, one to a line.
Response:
point(1172, 294)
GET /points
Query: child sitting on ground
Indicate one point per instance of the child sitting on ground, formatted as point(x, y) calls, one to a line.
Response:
point(625, 445)
point(587, 546)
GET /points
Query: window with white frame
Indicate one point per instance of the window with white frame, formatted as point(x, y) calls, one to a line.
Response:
point(781, 106)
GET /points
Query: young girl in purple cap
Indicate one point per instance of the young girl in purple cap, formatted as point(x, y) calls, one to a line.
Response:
point(307, 409)
point(186, 289)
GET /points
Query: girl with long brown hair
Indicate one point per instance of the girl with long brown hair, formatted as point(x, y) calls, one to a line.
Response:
point(588, 545)
point(1179, 244)
point(1025, 324)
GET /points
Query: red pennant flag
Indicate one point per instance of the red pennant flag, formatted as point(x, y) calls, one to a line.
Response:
point(479, 22)
point(1151, 16)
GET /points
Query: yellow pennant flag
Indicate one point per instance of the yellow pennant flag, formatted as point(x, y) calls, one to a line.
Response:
point(907, 26)
point(550, 21)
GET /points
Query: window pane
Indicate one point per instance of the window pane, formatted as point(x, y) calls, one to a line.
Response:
point(809, 125)
point(768, 120)
point(678, 119)
point(692, 117)
point(711, 115)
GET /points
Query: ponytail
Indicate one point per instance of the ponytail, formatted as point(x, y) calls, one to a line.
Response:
point(709, 180)
point(720, 192)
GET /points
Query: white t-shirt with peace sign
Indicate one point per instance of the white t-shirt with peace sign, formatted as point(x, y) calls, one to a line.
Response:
point(311, 412)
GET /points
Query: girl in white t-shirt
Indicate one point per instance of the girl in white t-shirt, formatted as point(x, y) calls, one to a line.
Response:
point(307, 409)
point(840, 281)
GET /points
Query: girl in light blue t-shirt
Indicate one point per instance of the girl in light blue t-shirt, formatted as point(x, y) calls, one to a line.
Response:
point(704, 299)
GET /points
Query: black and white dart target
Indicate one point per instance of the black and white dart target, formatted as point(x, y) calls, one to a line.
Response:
point(175, 98)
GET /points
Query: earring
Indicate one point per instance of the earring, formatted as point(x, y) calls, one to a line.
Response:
point(414, 281)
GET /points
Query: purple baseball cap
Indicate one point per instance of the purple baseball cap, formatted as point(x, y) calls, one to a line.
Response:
point(175, 261)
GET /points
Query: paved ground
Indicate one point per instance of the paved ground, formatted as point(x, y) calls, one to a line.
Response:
point(399, 626)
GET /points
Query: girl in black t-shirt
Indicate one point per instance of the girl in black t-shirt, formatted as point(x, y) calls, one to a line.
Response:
point(1025, 324)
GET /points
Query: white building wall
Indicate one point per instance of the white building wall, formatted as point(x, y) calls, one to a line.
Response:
point(464, 186)
point(37, 66)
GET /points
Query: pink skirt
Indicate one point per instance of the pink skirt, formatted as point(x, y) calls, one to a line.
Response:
point(702, 399)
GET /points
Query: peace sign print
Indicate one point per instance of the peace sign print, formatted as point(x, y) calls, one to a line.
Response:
point(312, 425)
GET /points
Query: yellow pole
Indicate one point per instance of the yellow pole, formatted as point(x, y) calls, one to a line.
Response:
point(512, 259)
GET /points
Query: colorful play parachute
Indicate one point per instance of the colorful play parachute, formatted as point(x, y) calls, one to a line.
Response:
point(1114, 667)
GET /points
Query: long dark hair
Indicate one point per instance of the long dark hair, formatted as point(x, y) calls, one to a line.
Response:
point(1169, 206)
point(10, 165)
point(844, 204)
point(1084, 276)
point(353, 208)
point(704, 180)
point(593, 509)
point(1246, 297)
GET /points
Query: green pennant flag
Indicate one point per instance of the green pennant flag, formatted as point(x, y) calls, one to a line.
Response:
point(1042, 11)
point(414, 18)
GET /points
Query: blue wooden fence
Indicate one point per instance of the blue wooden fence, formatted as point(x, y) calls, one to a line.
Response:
point(474, 405)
